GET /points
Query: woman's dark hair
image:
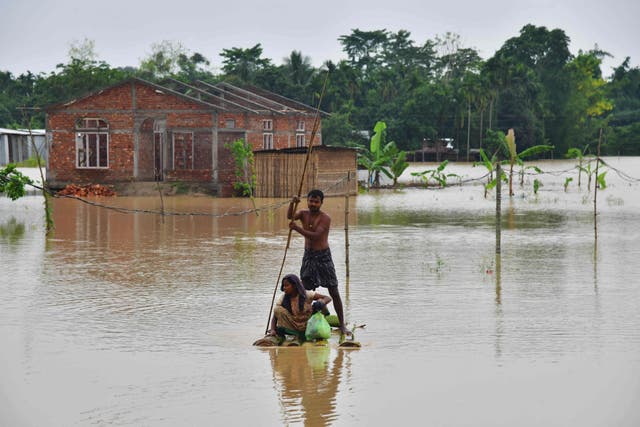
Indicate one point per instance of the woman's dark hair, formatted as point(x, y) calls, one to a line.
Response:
point(302, 292)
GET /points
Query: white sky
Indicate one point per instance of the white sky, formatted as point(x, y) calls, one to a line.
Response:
point(35, 35)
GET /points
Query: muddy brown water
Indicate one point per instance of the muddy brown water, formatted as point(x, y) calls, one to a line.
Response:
point(138, 319)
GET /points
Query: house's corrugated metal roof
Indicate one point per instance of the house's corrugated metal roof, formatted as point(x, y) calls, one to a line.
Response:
point(129, 81)
point(222, 96)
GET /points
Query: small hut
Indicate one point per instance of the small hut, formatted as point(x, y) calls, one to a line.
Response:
point(330, 169)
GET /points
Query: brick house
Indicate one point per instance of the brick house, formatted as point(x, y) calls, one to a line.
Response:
point(138, 131)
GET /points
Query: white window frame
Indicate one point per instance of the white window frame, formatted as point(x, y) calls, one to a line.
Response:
point(300, 126)
point(267, 125)
point(267, 141)
point(92, 136)
point(230, 123)
point(300, 140)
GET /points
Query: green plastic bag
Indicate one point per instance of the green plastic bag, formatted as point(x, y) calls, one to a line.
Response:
point(317, 327)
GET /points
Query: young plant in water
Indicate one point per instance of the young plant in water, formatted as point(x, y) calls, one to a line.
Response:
point(576, 153)
point(566, 183)
point(518, 158)
point(536, 185)
point(523, 169)
point(437, 176)
point(438, 267)
point(507, 145)
point(489, 164)
point(591, 173)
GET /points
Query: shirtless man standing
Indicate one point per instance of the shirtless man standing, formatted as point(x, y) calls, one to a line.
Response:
point(317, 265)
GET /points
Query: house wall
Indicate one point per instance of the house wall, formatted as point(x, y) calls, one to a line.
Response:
point(131, 154)
point(284, 131)
point(337, 174)
point(62, 151)
point(114, 105)
point(333, 171)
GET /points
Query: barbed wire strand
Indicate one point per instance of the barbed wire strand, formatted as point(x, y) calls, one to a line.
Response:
point(274, 206)
point(120, 209)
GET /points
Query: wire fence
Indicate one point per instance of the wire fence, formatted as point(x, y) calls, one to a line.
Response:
point(163, 212)
point(277, 205)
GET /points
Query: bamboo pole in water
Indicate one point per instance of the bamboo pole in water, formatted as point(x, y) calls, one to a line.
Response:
point(161, 198)
point(45, 186)
point(595, 191)
point(346, 232)
point(498, 207)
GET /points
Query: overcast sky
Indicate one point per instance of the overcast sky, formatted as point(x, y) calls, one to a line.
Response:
point(36, 35)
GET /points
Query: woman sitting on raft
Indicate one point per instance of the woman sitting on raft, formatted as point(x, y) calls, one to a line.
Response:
point(294, 308)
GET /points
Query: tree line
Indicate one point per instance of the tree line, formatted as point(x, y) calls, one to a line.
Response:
point(434, 90)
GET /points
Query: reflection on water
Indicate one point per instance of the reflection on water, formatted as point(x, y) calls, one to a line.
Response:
point(307, 383)
point(134, 319)
point(12, 231)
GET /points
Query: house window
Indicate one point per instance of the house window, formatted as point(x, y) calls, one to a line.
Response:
point(92, 143)
point(230, 123)
point(300, 126)
point(267, 125)
point(300, 140)
point(267, 141)
point(182, 150)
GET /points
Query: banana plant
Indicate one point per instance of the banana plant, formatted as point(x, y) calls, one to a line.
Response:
point(506, 144)
point(567, 181)
point(518, 158)
point(383, 157)
point(377, 141)
point(396, 162)
point(489, 165)
point(576, 153)
point(437, 175)
point(591, 174)
point(524, 169)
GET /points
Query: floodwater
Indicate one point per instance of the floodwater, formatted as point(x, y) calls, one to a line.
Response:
point(134, 319)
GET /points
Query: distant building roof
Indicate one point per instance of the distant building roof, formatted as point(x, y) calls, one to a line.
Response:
point(6, 131)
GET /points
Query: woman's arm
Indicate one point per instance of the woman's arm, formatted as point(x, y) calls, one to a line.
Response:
point(324, 298)
point(272, 330)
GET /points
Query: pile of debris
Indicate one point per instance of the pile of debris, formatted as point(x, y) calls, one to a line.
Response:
point(87, 190)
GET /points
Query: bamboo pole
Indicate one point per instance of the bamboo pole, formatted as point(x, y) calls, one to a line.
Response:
point(595, 191)
point(45, 187)
point(498, 207)
point(346, 232)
